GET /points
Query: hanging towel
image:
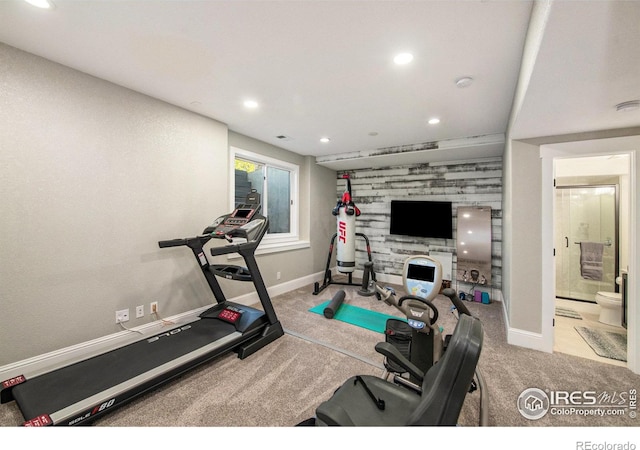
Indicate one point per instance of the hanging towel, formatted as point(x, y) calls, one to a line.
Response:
point(591, 260)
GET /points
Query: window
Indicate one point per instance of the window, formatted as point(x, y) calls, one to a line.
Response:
point(277, 183)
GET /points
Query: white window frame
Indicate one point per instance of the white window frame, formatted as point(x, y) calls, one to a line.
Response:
point(280, 241)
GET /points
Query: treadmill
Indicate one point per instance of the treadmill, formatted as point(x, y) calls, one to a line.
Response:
point(80, 393)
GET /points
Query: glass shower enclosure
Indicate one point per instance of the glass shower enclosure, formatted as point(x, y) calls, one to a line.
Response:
point(586, 225)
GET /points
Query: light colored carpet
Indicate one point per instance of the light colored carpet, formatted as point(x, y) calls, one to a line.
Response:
point(282, 384)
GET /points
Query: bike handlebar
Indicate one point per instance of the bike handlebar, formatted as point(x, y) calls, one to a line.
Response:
point(461, 307)
point(433, 308)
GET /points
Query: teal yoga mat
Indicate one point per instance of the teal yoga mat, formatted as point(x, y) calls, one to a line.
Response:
point(360, 317)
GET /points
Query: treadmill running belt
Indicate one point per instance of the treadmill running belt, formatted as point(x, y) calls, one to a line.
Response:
point(54, 391)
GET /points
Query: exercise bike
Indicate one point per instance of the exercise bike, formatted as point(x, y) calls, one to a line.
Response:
point(441, 371)
point(413, 347)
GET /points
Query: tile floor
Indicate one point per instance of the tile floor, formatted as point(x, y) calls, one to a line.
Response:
point(567, 340)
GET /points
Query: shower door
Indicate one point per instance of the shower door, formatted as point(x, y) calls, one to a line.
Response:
point(585, 214)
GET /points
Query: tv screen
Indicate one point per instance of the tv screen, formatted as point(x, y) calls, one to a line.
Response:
point(421, 219)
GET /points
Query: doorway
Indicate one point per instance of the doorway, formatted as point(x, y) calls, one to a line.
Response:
point(549, 154)
point(591, 204)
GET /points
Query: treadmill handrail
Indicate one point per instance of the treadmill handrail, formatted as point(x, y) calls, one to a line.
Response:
point(252, 232)
point(234, 248)
point(215, 251)
point(182, 241)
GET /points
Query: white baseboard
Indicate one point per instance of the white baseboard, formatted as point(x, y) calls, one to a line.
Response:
point(522, 338)
point(47, 362)
point(37, 365)
point(526, 339)
point(278, 289)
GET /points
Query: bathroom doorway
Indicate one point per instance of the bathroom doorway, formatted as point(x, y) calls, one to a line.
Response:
point(590, 207)
point(586, 219)
point(615, 155)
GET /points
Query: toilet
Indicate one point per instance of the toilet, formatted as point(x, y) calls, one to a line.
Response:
point(610, 308)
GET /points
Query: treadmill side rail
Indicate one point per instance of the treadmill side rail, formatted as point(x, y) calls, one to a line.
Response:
point(94, 406)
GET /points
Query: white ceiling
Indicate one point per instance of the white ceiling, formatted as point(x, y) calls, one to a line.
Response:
point(588, 63)
point(324, 68)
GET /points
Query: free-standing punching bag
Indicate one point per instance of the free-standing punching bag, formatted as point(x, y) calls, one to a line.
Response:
point(346, 212)
point(346, 246)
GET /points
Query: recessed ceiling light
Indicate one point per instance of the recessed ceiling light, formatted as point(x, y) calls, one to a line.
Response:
point(250, 104)
point(434, 121)
point(464, 82)
point(628, 106)
point(325, 140)
point(403, 58)
point(44, 4)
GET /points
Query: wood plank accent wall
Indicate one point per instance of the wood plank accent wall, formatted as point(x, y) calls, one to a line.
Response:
point(464, 183)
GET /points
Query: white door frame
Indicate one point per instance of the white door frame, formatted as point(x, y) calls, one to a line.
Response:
point(631, 146)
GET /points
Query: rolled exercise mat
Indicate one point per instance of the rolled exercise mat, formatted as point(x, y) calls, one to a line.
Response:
point(331, 309)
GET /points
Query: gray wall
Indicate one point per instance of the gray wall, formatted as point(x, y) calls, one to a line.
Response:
point(92, 176)
point(464, 183)
point(522, 286)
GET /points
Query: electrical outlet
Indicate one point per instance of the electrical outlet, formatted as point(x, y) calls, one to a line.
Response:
point(154, 307)
point(139, 311)
point(122, 315)
point(278, 275)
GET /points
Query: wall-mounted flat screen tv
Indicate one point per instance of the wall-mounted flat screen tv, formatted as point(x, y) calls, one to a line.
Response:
point(431, 219)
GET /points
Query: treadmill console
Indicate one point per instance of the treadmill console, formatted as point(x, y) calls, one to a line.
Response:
point(242, 215)
point(422, 276)
point(239, 217)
